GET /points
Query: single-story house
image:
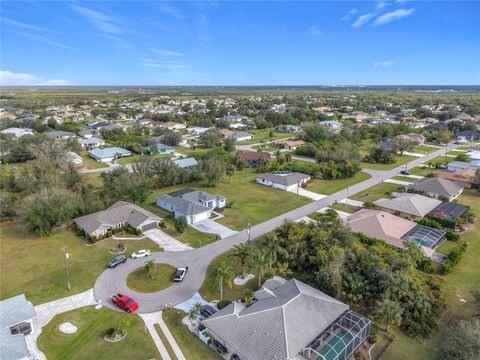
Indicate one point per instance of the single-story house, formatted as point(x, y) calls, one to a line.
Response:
point(252, 157)
point(225, 132)
point(230, 118)
point(88, 133)
point(171, 125)
point(287, 320)
point(187, 164)
point(237, 126)
point(91, 142)
point(332, 124)
point(288, 144)
point(417, 139)
point(117, 216)
point(437, 126)
point(60, 134)
point(162, 148)
point(194, 205)
point(437, 187)
point(74, 159)
point(395, 230)
point(464, 177)
point(197, 130)
point(461, 165)
point(108, 154)
point(16, 321)
point(408, 204)
point(467, 135)
point(240, 136)
point(288, 128)
point(388, 144)
point(283, 180)
point(17, 132)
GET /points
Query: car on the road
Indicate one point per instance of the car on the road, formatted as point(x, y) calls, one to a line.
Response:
point(124, 302)
point(405, 172)
point(140, 254)
point(180, 274)
point(207, 311)
point(117, 260)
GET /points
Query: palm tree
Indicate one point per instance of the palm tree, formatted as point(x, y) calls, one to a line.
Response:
point(223, 273)
point(192, 314)
point(282, 269)
point(260, 261)
point(150, 267)
point(242, 253)
point(274, 248)
point(230, 171)
point(390, 313)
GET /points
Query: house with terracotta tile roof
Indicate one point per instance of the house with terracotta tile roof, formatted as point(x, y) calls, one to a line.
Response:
point(288, 144)
point(464, 177)
point(252, 157)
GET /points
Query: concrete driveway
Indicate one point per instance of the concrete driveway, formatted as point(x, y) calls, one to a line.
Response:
point(211, 226)
point(167, 242)
point(309, 194)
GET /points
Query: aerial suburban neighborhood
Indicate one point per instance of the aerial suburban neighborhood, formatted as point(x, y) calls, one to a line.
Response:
point(190, 201)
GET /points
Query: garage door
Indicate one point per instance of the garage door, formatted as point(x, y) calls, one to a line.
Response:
point(150, 226)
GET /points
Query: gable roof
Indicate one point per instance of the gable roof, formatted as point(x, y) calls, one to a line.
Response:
point(462, 175)
point(284, 177)
point(278, 326)
point(414, 204)
point(183, 206)
point(118, 213)
point(253, 155)
point(108, 152)
point(436, 186)
point(188, 162)
point(380, 225)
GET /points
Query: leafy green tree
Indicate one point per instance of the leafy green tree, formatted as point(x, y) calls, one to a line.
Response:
point(282, 269)
point(230, 171)
point(461, 342)
point(181, 224)
point(171, 138)
point(210, 138)
point(223, 274)
point(229, 144)
point(120, 184)
point(389, 313)
point(212, 169)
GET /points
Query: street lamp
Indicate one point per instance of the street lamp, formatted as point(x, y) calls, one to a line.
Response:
point(346, 199)
point(249, 231)
point(66, 257)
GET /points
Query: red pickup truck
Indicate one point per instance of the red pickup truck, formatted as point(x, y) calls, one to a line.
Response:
point(124, 302)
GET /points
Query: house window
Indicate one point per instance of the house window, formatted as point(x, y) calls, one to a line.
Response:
point(24, 328)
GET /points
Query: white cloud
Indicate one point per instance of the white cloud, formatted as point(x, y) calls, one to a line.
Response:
point(154, 63)
point(383, 64)
point(170, 10)
point(393, 16)
point(101, 21)
point(349, 15)
point(315, 31)
point(362, 20)
point(22, 25)
point(164, 52)
point(44, 40)
point(9, 78)
point(381, 5)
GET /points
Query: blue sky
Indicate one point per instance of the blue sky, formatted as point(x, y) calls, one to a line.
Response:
point(239, 43)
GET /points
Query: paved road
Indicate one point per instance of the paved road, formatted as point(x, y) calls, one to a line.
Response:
point(114, 280)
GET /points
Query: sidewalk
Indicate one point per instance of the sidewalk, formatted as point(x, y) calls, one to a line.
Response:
point(156, 318)
point(45, 312)
point(399, 182)
point(309, 194)
point(351, 202)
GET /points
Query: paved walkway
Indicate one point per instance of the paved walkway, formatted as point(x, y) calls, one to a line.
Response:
point(413, 154)
point(45, 312)
point(212, 227)
point(167, 242)
point(156, 318)
point(114, 280)
point(304, 158)
point(414, 176)
point(399, 182)
point(309, 194)
point(348, 201)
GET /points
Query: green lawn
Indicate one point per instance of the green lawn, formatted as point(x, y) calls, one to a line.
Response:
point(456, 153)
point(35, 266)
point(262, 135)
point(345, 208)
point(404, 178)
point(165, 342)
point(90, 163)
point(328, 187)
point(441, 160)
point(265, 148)
point(137, 157)
point(399, 160)
point(192, 347)
point(460, 283)
point(88, 343)
point(94, 179)
point(376, 192)
point(423, 149)
point(250, 202)
point(139, 280)
point(423, 171)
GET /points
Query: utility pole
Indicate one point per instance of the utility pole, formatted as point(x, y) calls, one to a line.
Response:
point(249, 231)
point(346, 200)
point(66, 257)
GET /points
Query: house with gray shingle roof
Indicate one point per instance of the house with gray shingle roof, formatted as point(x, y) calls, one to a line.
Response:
point(194, 205)
point(16, 321)
point(108, 154)
point(437, 187)
point(408, 204)
point(116, 217)
point(283, 180)
point(187, 164)
point(63, 135)
point(288, 320)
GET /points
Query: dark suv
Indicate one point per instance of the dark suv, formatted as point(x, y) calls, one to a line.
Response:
point(120, 259)
point(207, 311)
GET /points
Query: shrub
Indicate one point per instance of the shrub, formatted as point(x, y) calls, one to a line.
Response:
point(452, 236)
point(426, 265)
point(108, 234)
point(368, 205)
point(430, 223)
point(162, 224)
point(223, 303)
point(110, 331)
point(181, 224)
point(454, 258)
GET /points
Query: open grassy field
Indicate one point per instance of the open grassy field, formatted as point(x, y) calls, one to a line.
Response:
point(423, 149)
point(263, 135)
point(139, 280)
point(404, 178)
point(345, 208)
point(399, 160)
point(89, 163)
point(441, 160)
point(35, 266)
point(464, 278)
point(192, 347)
point(423, 171)
point(328, 187)
point(137, 157)
point(88, 343)
point(250, 202)
point(94, 179)
point(376, 192)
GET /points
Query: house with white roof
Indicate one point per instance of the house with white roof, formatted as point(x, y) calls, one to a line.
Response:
point(108, 154)
point(17, 132)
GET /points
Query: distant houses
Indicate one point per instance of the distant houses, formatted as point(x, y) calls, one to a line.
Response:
point(62, 135)
point(17, 132)
point(91, 143)
point(108, 154)
point(187, 164)
point(288, 144)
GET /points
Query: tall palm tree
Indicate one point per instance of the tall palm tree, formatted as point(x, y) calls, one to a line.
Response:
point(390, 313)
point(242, 252)
point(282, 269)
point(274, 248)
point(223, 274)
point(260, 262)
point(150, 267)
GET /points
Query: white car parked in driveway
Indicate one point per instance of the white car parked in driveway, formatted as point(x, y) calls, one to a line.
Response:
point(140, 254)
